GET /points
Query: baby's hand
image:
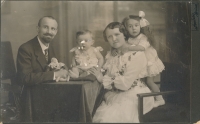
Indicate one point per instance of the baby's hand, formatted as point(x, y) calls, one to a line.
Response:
point(113, 52)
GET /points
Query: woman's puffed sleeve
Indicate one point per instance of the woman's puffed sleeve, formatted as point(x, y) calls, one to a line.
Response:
point(144, 42)
point(133, 69)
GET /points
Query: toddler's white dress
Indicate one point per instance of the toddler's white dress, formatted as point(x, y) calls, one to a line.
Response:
point(154, 65)
point(86, 59)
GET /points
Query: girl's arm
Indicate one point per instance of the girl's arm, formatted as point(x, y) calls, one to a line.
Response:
point(136, 48)
point(143, 44)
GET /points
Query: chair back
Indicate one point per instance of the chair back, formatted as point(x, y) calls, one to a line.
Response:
point(175, 77)
point(174, 86)
point(8, 70)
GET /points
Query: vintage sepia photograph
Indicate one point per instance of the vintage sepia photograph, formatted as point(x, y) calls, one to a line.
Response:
point(97, 61)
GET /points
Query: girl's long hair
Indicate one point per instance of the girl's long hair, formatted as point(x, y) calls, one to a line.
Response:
point(148, 33)
point(145, 30)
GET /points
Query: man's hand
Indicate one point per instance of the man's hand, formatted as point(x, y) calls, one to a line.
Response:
point(62, 79)
point(60, 74)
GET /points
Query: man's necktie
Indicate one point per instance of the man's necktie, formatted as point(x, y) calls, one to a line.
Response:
point(46, 54)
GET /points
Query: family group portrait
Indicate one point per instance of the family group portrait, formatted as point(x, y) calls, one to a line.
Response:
point(95, 61)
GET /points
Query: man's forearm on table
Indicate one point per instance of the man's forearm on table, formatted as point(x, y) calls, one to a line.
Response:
point(37, 78)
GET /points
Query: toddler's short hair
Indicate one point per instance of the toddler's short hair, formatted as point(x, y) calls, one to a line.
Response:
point(82, 32)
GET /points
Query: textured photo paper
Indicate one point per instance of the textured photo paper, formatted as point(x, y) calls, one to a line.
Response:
point(174, 25)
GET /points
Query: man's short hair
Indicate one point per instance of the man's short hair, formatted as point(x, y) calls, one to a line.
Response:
point(50, 17)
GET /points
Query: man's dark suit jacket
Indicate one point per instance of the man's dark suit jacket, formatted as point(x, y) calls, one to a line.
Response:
point(31, 65)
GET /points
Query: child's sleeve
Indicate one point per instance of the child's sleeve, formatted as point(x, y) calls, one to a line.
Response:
point(73, 61)
point(73, 49)
point(144, 42)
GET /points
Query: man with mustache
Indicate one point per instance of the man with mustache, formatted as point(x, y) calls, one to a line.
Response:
point(32, 60)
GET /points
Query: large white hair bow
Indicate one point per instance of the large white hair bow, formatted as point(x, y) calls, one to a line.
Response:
point(143, 21)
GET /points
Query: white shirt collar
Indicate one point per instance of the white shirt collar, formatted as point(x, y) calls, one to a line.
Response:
point(42, 45)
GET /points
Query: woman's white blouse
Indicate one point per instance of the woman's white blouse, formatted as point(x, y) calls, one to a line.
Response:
point(123, 70)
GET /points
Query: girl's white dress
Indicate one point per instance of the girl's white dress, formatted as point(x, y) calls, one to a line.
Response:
point(120, 104)
point(154, 65)
point(86, 59)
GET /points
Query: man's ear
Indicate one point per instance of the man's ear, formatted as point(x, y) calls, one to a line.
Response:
point(37, 28)
point(56, 30)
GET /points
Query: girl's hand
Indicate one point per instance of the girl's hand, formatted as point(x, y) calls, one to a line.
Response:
point(125, 49)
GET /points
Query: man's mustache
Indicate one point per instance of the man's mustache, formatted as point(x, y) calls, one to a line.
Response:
point(47, 34)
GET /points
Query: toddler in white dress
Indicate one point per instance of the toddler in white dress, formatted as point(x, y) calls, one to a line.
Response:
point(85, 55)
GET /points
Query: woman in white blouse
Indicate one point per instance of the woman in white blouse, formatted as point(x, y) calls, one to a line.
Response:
point(122, 80)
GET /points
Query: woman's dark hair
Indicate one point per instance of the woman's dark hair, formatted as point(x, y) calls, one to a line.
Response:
point(145, 30)
point(113, 25)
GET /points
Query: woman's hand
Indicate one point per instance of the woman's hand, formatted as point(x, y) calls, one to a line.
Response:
point(96, 72)
point(107, 82)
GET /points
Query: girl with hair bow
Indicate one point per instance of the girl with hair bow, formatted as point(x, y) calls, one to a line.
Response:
point(140, 38)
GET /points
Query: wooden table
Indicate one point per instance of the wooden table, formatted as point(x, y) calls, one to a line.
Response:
point(71, 101)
